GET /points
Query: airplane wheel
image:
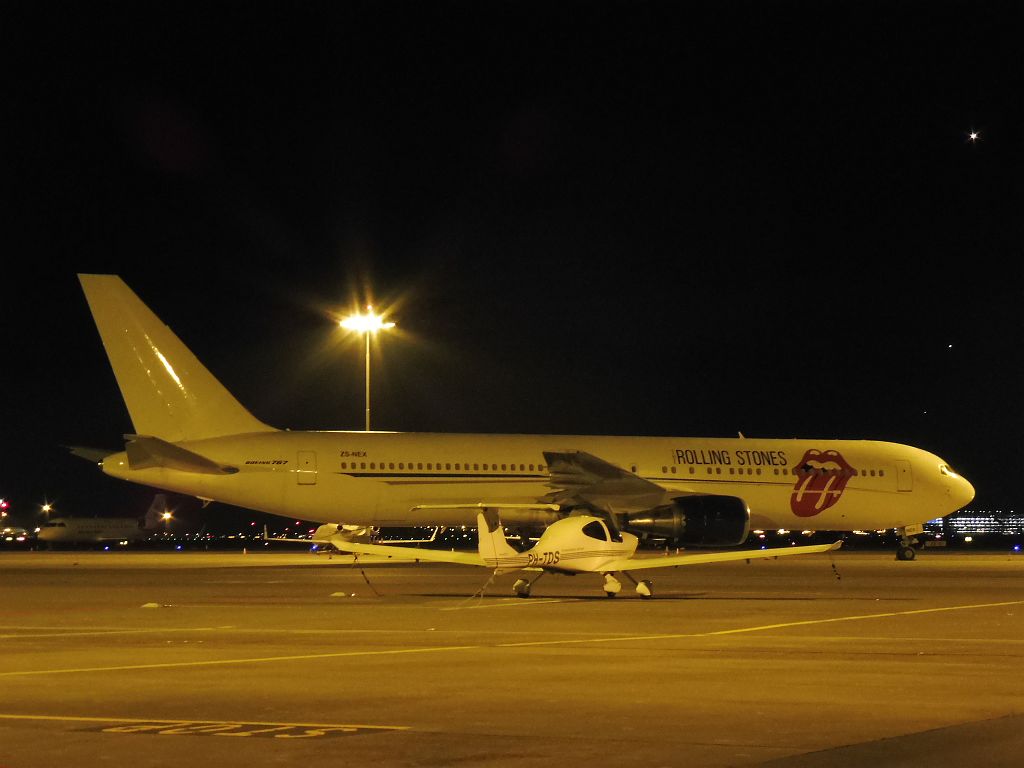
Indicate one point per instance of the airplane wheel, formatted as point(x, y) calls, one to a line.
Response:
point(644, 589)
point(905, 553)
point(611, 585)
point(521, 588)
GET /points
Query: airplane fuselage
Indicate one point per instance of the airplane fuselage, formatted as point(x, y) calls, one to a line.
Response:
point(403, 479)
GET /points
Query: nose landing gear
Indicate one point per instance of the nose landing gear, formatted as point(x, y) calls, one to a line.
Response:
point(905, 549)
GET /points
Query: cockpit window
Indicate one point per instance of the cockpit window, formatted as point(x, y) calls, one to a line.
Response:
point(596, 530)
point(947, 470)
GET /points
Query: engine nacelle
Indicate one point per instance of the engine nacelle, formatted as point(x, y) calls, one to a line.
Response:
point(699, 521)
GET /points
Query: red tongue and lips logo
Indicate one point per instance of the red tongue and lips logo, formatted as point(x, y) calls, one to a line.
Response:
point(821, 479)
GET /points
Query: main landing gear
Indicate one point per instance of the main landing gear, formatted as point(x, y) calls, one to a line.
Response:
point(612, 586)
point(522, 587)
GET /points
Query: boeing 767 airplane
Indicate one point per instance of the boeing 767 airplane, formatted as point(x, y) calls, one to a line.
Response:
point(193, 437)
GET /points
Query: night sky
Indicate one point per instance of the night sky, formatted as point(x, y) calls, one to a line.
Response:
point(586, 217)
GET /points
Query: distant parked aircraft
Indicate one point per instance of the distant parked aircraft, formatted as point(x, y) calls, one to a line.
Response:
point(97, 530)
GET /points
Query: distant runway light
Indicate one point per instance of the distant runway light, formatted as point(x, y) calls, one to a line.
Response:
point(972, 136)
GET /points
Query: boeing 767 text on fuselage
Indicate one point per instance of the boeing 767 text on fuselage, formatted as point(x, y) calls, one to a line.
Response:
point(193, 437)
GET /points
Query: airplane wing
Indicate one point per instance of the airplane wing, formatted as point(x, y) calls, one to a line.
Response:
point(579, 476)
point(654, 561)
point(408, 553)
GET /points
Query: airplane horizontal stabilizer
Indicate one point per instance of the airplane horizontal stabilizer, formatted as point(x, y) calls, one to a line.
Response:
point(145, 452)
point(96, 455)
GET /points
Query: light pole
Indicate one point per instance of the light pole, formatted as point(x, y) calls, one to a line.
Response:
point(366, 324)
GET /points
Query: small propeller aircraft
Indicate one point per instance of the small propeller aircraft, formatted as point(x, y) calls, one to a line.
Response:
point(575, 544)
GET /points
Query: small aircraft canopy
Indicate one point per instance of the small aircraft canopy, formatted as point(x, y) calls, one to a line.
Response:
point(596, 530)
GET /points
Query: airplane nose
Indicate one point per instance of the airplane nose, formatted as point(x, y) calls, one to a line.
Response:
point(962, 493)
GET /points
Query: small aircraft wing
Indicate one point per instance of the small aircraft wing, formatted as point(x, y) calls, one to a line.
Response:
point(408, 553)
point(640, 563)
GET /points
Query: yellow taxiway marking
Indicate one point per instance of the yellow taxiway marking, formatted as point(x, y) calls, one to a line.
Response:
point(765, 627)
point(54, 632)
point(220, 662)
point(566, 641)
point(510, 604)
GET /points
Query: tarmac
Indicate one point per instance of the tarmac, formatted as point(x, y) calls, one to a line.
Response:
point(262, 659)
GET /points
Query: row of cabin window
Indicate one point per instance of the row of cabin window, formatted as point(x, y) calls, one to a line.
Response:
point(794, 471)
point(458, 466)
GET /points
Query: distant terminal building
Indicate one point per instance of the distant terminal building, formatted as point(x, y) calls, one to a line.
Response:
point(976, 522)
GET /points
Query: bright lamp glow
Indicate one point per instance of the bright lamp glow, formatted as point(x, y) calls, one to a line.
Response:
point(367, 323)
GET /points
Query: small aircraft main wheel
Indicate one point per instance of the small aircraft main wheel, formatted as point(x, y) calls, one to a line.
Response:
point(521, 588)
point(611, 585)
point(644, 589)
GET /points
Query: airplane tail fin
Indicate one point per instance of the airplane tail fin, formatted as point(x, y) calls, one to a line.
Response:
point(492, 543)
point(169, 393)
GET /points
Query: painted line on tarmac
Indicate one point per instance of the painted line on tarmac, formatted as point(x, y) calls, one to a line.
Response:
point(447, 648)
point(225, 662)
point(514, 603)
point(863, 616)
point(87, 633)
point(209, 727)
point(765, 627)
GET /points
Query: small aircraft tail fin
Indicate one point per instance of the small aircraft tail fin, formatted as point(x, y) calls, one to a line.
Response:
point(169, 393)
point(492, 543)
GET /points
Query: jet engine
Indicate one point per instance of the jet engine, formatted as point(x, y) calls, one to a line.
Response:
point(699, 521)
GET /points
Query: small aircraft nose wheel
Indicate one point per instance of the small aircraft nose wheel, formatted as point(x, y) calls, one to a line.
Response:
point(521, 588)
point(611, 585)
